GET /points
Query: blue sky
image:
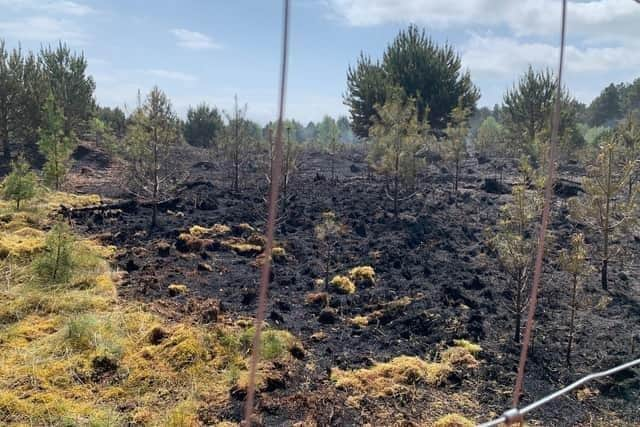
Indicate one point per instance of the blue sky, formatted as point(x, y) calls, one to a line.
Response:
point(210, 50)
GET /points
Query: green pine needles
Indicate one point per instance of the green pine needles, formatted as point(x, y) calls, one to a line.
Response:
point(20, 184)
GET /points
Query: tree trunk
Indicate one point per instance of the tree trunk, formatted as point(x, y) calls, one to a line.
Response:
point(573, 314)
point(395, 197)
point(57, 263)
point(332, 167)
point(605, 248)
point(396, 183)
point(6, 147)
point(156, 184)
point(154, 215)
point(327, 263)
point(516, 333)
point(455, 186)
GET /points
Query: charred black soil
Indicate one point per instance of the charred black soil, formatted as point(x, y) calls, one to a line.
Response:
point(436, 281)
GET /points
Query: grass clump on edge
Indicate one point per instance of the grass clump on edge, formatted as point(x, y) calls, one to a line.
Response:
point(392, 378)
point(21, 243)
point(214, 230)
point(342, 285)
point(245, 248)
point(363, 275)
point(468, 345)
point(454, 420)
point(402, 374)
point(176, 289)
point(278, 254)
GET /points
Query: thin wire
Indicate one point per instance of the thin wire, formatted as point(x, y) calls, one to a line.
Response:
point(548, 194)
point(271, 220)
point(517, 414)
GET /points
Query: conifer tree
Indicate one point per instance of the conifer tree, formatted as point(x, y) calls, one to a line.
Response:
point(238, 141)
point(329, 138)
point(20, 184)
point(573, 261)
point(396, 139)
point(515, 242)
point(152, 134)
point(489, 137)
point(328, 232)
point(628, 131)
point(54, 144)
point(603, 208)
point(456, 143)
point(289, 162)
point(56, 263)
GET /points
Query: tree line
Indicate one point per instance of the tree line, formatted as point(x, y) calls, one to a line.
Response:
point(27, 81)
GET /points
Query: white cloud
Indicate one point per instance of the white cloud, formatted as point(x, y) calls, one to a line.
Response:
point(194, 40)
point(172, 75)
point(42, 28)
point(503, 56)
point(64, 7)
point(607, 19)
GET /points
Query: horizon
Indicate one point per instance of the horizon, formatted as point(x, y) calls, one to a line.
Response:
point(199, 52)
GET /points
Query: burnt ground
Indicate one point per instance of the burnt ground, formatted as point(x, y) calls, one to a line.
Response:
point(435, 254)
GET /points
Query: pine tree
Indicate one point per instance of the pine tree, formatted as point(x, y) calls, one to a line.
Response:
point(11, 70)
point(456, 143)
point(527, 110)
point(289, 163)
point(20, 184)
point(57, 262)
point(66, 74)
point(54, 144)
point(628, 131)
point(489, 138)
point(203, 126)
point(328, 233)
point(149, 144)
point(429, 73)
point(396, 139)
point(573, 261)
point(238, 141)
point(515, 242)
point(329, 138)
point(603, 208)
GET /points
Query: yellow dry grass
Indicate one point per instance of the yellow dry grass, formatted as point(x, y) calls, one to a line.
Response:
point(73, 354)
point(454, 420)
point(213, 231)
point(402, 374)
point(363, 275)
point(342, 285)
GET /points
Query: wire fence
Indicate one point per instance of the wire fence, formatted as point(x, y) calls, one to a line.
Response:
point(516, 415)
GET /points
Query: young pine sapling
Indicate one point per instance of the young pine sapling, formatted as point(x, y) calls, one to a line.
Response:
point(515, 243)
point(149, 144)
point(54, 144)
point(573, 261)
point(397, 139)
point(456, 142)
point(328, 233)
point(56, 263)
point(604, 207)
point(20, 184)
